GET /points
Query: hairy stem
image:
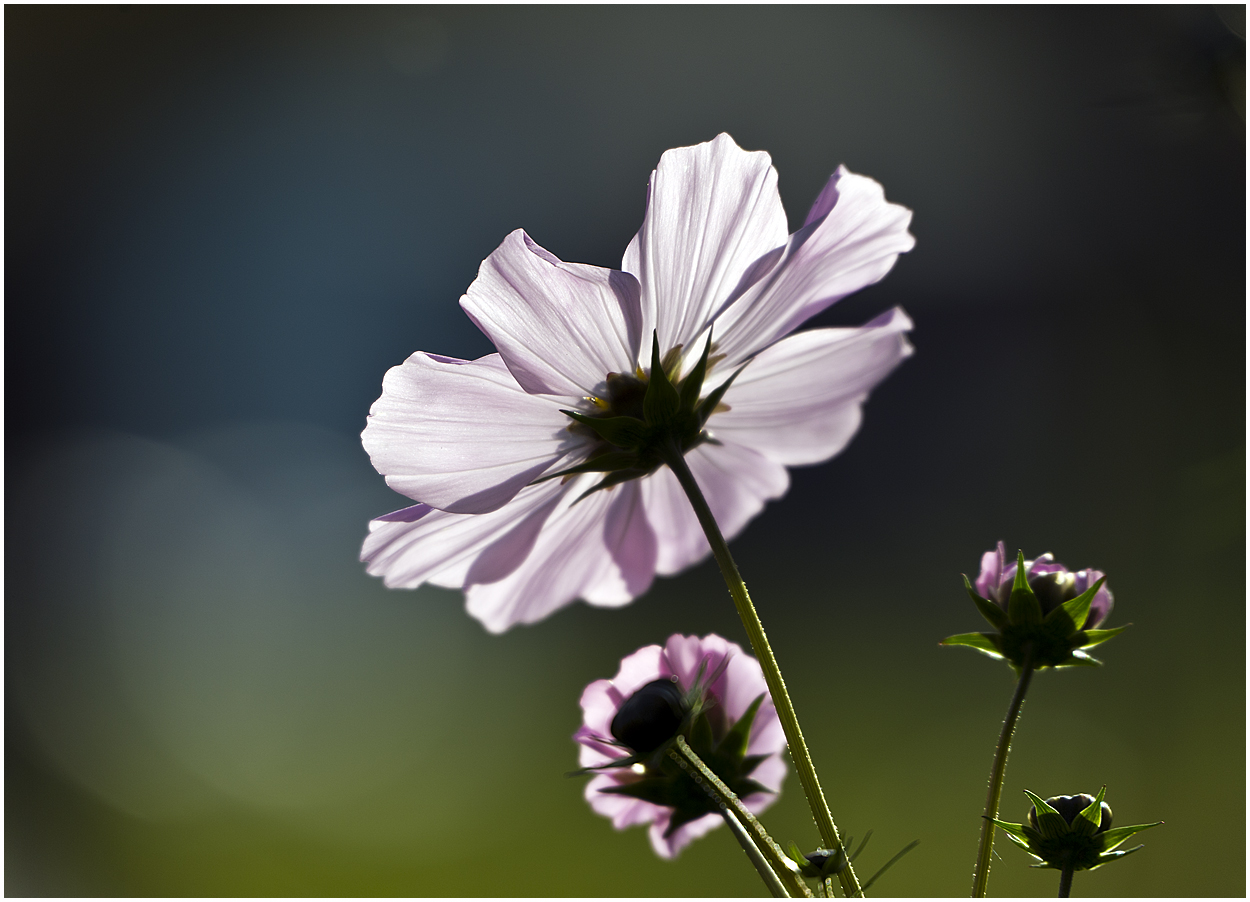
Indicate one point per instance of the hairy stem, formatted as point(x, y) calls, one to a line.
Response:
point(726, 796)
point(981, 876)
point(772, 673)
point(770, 878)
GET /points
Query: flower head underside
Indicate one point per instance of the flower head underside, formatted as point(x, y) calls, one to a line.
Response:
point(710, 289)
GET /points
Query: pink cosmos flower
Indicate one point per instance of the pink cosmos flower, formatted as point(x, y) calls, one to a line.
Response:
point(738, 681)
point(1051, 581)
point(468, 438)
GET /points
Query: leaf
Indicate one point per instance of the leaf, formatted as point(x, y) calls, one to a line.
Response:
point(986, 643)
point(735, 741)
point(693, 383)
point(990, 611)
point(1023, 606)
point(1097, 637)
point(1086, 823)
point(885, 867)
point(661, 402)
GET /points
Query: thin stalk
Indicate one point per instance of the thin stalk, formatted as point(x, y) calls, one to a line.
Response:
point(772, 673)
point(770, 878)
point(981, 876)
point(1065, 883)
point(726, 796)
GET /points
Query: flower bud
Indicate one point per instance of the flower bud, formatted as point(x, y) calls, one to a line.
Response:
point(1043, 614)
point(1071, 833)
point(1071, 806)
point(650, 717)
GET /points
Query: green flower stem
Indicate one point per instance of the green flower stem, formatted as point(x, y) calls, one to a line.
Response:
point(726, 796)
point(766, 872)
point(1065, 883)
point(772, 673)
point(981, 876)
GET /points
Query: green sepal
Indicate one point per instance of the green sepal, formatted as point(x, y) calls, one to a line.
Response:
point(708, 405)
point(1022, 843)
point(1013, 830)
point(1086, 823)
point(1081, 659)
point(1090, 638)
point(990, 611)
point(624, 432)
point(1049, 821)
point(1108, 857)
point(693, 383)
point(1076, 609)
point(1023, 606)
point(1116, 835)
point(604, 463)
point(986, 643)
point(612, 479)
point(750, 763)
point(656, 790)
point(701, 738)
point(735, 741)
point(661, 402)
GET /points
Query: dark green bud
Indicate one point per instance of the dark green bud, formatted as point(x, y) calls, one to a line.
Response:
point(1071, 832)
point(650, 717)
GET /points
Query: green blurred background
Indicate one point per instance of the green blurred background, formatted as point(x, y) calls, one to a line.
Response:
point(224, 224)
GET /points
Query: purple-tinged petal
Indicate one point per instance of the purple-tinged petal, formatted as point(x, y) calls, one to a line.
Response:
point(1100, 605)
point(712, 211)
point(568, 558)
point(798, 402)
point(560, 327)
point(990, 581)
point(849, 247)
point(440, 547)
point(736, 481)
point(645, 665)
point(461, 436)
point(669, 847)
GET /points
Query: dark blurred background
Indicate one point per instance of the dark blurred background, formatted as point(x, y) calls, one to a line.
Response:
point(224, 224)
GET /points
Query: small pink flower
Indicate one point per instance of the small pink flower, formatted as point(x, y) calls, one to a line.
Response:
point(467, 439)
point(1051, 581)
point(736, 680)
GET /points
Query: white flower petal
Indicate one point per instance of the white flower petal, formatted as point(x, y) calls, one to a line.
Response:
point(421, 544)
point(712, 211)
point(461, 435)
point(851, 240)
point(735, 480)
point(798, 402)
point(560, 327)
point(600, 548)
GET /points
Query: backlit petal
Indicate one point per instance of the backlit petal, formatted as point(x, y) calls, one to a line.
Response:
point(736, 481)
point(798, 402)
point(459, 435)
point(851, 244)
point(560, 327)
point(577, 553)
point(712, 211)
